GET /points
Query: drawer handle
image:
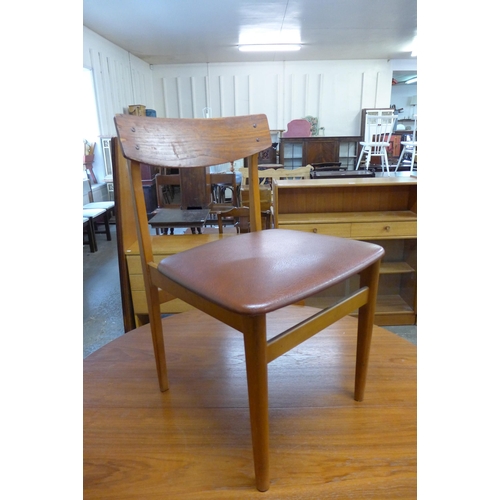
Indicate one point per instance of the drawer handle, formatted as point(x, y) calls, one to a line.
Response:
point(315, 229)
point(387, 228)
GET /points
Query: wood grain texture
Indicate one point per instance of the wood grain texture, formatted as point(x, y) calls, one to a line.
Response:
point(193, 441)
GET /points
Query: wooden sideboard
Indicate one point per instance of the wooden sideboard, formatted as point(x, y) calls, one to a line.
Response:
point(379, 209)
point(301, 151)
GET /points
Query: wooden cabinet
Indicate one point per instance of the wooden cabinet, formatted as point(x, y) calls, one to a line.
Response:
point(301, 151)
point(379, 209)
point(163, 246)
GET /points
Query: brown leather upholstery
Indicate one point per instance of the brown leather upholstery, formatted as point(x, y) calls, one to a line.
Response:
point(268, 270)
point(239, 279)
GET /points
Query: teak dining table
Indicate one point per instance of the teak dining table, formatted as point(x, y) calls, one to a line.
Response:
point(193, 441)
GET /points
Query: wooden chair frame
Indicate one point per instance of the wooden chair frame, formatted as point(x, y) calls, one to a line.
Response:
point(204, 142)
point(239, 217)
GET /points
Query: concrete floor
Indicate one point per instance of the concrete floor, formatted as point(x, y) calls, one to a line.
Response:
point(102, 310)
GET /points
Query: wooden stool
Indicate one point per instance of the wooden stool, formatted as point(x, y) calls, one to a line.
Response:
point(95, 213)
point(109, 206)
point(89, 229)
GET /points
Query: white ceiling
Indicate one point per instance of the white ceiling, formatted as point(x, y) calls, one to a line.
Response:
point(208, 31)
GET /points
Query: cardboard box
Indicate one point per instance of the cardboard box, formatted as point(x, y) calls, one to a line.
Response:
point(137, 109)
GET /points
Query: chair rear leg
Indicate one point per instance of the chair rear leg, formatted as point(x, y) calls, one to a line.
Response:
point(256, 365)
point(106, 225)
point(369, 277)
point(360, 158)
point(157, 336)
point(400, 159)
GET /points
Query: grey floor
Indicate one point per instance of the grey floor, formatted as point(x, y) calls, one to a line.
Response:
point(102, 310)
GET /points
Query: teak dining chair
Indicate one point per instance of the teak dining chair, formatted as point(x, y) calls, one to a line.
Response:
point(249, 275)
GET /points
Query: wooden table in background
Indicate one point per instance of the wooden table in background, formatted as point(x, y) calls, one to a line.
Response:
point(166, 218)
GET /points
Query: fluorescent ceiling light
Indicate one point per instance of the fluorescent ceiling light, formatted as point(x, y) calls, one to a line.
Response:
point(277, 47)
point(411, 80)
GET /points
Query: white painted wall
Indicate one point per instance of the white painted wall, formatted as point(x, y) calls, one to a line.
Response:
point(333, 91)
point(120, 79)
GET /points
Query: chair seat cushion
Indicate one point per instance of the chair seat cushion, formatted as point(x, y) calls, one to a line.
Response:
point(260, 272)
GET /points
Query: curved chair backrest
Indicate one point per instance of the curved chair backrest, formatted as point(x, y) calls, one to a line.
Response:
point(297, 173)
point(193, 142)
point(298, 128)
point(185, 142)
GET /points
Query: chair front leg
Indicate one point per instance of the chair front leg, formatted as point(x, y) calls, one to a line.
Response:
point(368, 158)
point(386, 158)
point(360, 158)
point(256, 365)
point(369, 277)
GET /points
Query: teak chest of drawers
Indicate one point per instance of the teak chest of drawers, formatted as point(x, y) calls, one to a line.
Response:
point(380, 209)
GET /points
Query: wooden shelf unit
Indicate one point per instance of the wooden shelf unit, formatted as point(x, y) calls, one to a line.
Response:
point(380, 209)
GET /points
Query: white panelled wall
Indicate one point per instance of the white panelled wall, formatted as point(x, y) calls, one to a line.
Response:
point(120, 79)
point(333, 91)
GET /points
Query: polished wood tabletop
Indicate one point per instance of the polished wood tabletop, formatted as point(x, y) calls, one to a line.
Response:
point(193, 441)
point(176, 217)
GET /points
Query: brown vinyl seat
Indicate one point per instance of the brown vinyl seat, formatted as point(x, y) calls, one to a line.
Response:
point(249, 275)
